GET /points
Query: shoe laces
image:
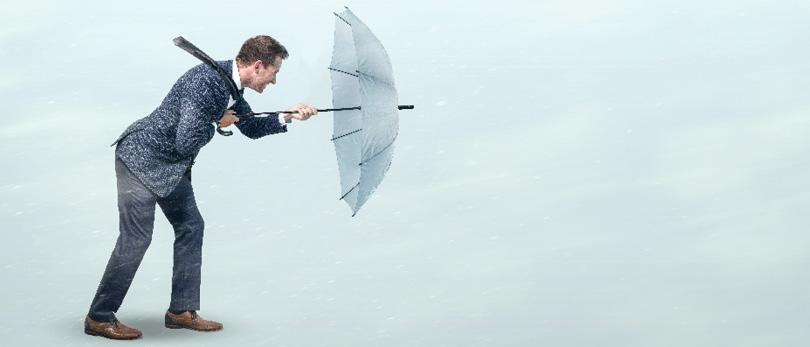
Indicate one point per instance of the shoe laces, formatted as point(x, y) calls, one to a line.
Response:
point(115, 324)
point(193, 315)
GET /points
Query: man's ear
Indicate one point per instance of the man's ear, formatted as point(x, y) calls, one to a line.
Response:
point(256, 65)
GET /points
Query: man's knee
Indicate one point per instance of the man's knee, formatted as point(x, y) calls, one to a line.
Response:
point(133, 244)
point(192, 228)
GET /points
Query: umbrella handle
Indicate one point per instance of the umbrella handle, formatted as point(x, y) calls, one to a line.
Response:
point(223, 132)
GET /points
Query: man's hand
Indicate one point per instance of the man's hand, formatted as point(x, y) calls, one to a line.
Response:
point(227, 119)
point(304, 112)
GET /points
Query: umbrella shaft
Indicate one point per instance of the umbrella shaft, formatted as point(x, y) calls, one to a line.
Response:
point(337, 109)
point(401, 107)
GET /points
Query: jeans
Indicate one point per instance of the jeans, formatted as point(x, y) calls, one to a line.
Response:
point(136, 211)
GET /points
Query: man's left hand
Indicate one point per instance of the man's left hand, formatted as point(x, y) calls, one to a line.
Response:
point(304, 111)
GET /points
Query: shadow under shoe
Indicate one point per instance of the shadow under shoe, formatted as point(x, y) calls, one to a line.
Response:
point(113, 330)
point(190, 320)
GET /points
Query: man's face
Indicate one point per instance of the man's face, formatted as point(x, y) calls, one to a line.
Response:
point(264, 76)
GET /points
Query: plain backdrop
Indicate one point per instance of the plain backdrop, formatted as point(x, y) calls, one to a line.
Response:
point(575, 173)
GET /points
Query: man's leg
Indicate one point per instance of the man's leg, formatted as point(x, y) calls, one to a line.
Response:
point(181, 210)
point(136, 213)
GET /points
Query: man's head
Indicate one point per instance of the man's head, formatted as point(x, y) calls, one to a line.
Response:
point(259, 60)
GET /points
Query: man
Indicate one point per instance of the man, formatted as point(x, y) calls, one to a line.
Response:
point(153, 167)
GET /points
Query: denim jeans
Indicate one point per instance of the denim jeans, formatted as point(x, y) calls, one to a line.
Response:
point(136, 212)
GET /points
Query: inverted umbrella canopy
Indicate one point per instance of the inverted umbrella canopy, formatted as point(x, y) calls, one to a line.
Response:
point(363, 137)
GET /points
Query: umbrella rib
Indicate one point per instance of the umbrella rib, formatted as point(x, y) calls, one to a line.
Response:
point(350, 190)
point(348, 73)
point(341, 18)
point(346, 134)
point(374, 78)
point(382, 150)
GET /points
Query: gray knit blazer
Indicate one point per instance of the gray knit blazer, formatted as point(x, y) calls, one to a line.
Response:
point(160, 147)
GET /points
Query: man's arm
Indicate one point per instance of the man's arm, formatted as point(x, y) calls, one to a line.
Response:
point(257, 127)
point(253, 127)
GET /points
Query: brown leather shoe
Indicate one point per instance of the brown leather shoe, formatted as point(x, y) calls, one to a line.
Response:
point(113, 330)
point(190, 320)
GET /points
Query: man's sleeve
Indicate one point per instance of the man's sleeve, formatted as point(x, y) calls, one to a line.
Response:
point(257, 127)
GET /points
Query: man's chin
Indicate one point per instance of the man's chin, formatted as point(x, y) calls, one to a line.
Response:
point(257, 90)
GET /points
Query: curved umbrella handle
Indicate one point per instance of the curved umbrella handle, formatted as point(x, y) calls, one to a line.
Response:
point(223, 132)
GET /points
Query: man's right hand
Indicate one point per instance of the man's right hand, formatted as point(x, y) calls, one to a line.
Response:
point(227, 119)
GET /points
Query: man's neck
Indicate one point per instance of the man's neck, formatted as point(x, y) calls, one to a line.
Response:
point(243, 74)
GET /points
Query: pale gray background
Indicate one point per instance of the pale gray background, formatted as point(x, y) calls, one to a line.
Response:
point(575, 173)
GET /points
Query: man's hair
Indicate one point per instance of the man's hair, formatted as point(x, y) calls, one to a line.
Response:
point(262, 47)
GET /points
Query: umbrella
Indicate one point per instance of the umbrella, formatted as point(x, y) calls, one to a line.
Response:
point(363, 137)
point(363, 90)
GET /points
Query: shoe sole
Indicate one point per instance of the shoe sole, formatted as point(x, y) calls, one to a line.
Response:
point(178, 326)
point(93, 333)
